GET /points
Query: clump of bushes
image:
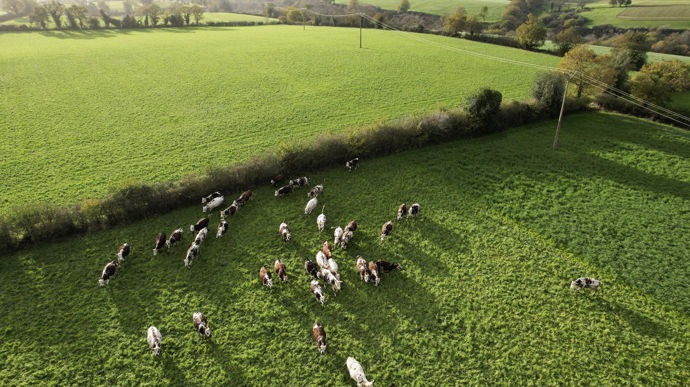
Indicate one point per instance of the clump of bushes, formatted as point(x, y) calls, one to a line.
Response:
point(135, 200)
point(548, 90)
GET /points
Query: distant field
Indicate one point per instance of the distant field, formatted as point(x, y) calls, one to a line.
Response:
point(681, 101)
point(506, 224)
point(651, 56)
point(640, 15)
point(179, 100)
point(444, 7)
point(232, 17)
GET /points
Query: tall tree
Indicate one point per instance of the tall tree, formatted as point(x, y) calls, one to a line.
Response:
point(584, 64)
point(154, 12)
point(531, 33)
point(197, 13)
point(39, 17)
point(567, 39)
point(76, 15)
point(55, 9)
point(630, 50)
point(472, 25)
point(455, 23)
point(404, 6)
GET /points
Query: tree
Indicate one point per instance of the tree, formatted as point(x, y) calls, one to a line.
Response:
point(472, 25)
point(186, 13)
point(15, 7)
point(55, 10)
point(270, 10)
point(531, 33)
point(484, 104)
point(456, 23)
point(548, 90)
point(39, 17)
point(630, 50)
point(294, 15)
point(584, 65)
point(197, 13)
point(76, 14)
point(483, 11)
point(154, 12)
point(94, 24)
point(648, 87)
point(404, 6)
point(674, 72)
point(567, 39)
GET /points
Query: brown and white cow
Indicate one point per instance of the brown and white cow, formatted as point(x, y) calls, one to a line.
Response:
point(317, 291)
point(108, 271)
point(230, 211)
point(201, 236)
point(277, 179)
point(311, 268)
point(337, 235)
point(210, 197)
point(330, 278)
point(123, 252)
point(244, 198)
point(345, 240)
point(327, 248)
point(201, 325)
point(386, 230)
point(352, 226)
point(321, 219)
point(175, 237)
point(402, 211)
point(160, 242)
point(222, 229)
point(282, 191)
point(284, 232)
point(362, 268)
point(279, 268)
point(586, 282)
point(192, 253)
point(374, 270)
point(315, 191)
point(200, 224)
point(265, 277)
point(319, 335)
point(299, 182)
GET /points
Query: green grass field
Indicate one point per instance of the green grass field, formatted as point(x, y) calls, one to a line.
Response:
point(176, 101)
point(644, 14)
point(233, 17)
point(506, 224)
point(603, 50)
point(444, 7)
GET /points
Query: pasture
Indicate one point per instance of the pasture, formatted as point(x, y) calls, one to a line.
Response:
point(234, 17)
point(444, 7)
point(506, 224)
point(641, 14)
point(90, 110)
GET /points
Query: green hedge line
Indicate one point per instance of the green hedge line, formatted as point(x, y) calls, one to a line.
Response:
point(45, 223)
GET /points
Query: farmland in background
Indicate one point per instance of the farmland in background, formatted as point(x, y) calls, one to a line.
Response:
point(444, 7)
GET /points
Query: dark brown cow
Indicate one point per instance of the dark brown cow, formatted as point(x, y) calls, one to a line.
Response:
point(265, 277)
point(200, 224)
point(319, 336)
point(160, 242)
point(352, 226)
point(326, 249)
point(311, 268)
point(277, 179)
point(244, 198)
point(282, 191)
point(386, 267)
point(123, 252)
point(386, 230)
point(402, 210)
point(279, 268)
point(108, 271)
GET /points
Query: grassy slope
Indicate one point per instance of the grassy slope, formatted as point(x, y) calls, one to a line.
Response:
point(232, 17)
point(651, 56)
point(444, 7)
point(506, 224)
point(681, 100)
point(604, 14)
point(175, 101)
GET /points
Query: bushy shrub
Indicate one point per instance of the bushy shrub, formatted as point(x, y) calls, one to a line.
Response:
point(548, 90)
point(484, 104)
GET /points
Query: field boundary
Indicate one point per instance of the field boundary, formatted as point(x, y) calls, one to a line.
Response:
point(33, 224)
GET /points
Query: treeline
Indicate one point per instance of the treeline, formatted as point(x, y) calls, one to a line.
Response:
point(484, 113)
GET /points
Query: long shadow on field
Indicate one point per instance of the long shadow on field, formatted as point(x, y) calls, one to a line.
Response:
point(640, 324)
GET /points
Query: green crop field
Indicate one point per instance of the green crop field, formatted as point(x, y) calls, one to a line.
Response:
point(506, 224)
point(444, 7)
point(84, 111)
point(645, 14)
point(233, 17)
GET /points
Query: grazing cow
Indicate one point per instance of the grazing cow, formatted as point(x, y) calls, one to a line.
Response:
point(374, 270)
point(321, 260)
point(213, 204)
point(352, 226)
point(284, 232)
point(386, 230)
point(414, 210)
point(201, 236)
point(279, 268)
point(200, 324)
point(222, 229)
point(333, 267)
point(357, 373)
point(352, 164)
point(321, 219)
point(210, 197)
point(337, 234)
point(330, 278)
point(317, 291)
point(282, 191)
point(265, 277)
point(362, 268)
point(311, 268)
point(311, 204)
point(277, 179)
point(200, 224)
point(108, 271)
point(160, 242)
point(192, 253)
point(387, 267)
point(175, 237)
point(230, 211)
point(315, 191)
point(123, 252)
point(345, 240)
point(299, 182)
point(586, 282)
point(244, 198)
point(327, 249)
point(153, 337)
point(402, 210)
point(319, 336)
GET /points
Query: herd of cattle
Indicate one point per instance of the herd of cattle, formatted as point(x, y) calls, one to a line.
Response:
point(324, 269)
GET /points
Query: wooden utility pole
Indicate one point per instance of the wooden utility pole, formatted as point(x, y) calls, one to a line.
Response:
point(560, 116)
point(360, 30)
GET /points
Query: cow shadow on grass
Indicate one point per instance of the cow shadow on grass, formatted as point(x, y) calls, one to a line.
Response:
point(639, 323)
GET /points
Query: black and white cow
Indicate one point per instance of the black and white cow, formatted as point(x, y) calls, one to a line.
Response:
point(352, 164)
point(282, 191)
point(160, 242)
point(108, 271)
point(210, 197)
point(414, 210)
point(586, 282)
point(123, 252)
point(222, 229)
point(317, 291)
point(175, 237)
point(230, 211)
point(319, 335)
point(200, 224)
point(311, 268)
point(315, 191)
point(386, 267)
